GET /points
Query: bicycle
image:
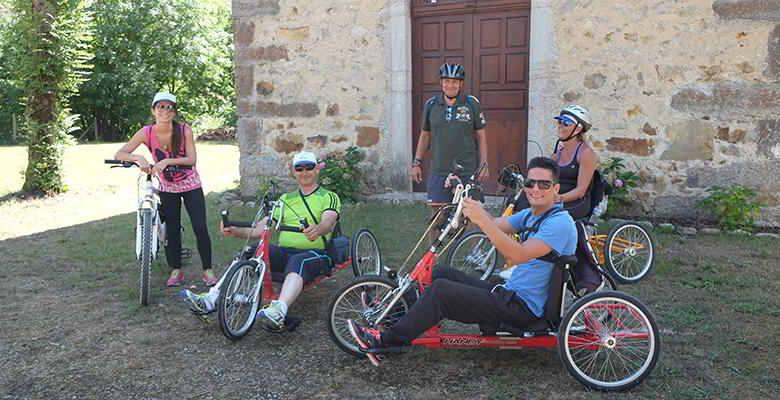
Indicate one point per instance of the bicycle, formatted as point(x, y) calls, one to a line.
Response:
point(248, 282)
point(149, 229)
point(607, 340)
point(627, 252)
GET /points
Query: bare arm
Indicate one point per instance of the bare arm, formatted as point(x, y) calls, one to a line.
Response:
point(189, 146)
point(588, 162)
point(243, 232)
point(125, 153)
point(481, 135)
point(517, 252)
point(422, 147)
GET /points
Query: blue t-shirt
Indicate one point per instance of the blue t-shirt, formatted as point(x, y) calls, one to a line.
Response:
point(531, 279)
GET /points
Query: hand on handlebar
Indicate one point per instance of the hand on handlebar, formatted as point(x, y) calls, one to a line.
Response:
point(452, 181)
point(230, 231)
point(143, 165)
point(475, 212)
point(313, 232)
point(159, 166)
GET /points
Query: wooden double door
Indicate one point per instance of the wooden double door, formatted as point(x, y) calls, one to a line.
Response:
point(490, 38)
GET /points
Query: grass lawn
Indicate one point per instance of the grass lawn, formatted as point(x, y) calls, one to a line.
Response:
point(72, 326)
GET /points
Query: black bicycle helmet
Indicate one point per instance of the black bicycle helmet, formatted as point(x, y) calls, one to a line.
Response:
point(452, 71)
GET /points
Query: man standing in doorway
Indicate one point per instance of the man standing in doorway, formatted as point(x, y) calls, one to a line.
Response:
point(452, 123)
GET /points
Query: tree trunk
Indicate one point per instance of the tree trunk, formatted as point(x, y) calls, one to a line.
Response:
point(44, 168)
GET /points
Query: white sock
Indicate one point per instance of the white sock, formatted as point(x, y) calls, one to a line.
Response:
point(282, 306)
point(213, 295)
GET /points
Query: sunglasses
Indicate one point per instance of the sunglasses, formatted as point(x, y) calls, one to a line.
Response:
point(165, 107)
point(542, 184)
point(448, 116)
point(564, 121)
point(305, 167)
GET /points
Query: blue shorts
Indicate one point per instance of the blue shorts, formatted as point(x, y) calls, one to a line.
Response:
point(438, 195)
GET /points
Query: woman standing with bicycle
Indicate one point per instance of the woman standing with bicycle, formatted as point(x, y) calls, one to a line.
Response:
point(171, 143)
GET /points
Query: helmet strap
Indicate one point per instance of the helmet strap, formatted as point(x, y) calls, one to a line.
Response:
point(573, 135)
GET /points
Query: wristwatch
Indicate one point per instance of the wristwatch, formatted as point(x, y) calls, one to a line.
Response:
point(416, 162)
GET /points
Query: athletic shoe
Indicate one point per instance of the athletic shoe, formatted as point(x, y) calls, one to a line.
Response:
point(209, 277)
point(272, 316)
point(367, 339)
point(175, 279)
point(198, 303)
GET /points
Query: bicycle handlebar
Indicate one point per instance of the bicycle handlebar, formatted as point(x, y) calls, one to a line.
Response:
point(128, 164)
point(242, 224)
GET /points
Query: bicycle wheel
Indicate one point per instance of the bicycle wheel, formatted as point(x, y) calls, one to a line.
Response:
point(145, 256)
point(609, 341)
point(238, 299)
point(629, 252)
point(473, 253)
point(362, 300)
point(366, 257)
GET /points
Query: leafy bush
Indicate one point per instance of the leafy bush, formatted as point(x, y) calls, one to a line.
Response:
point(621, 180)
point(733, 207)
point(339, 173)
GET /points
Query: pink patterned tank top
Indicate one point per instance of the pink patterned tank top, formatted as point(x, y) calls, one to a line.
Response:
point(171, 182)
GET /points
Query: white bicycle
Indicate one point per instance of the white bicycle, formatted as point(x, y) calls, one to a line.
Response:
point(149, 228)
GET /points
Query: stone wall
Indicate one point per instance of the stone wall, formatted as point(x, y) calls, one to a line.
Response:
point(310, 76)
point(687, 91)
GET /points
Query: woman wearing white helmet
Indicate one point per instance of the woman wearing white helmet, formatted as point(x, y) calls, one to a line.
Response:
point(577, 161)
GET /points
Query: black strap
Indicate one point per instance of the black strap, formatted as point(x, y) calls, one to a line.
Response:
point(324, 242)
point(526, 231)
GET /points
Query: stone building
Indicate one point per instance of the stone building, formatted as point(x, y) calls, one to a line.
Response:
point(687, 91)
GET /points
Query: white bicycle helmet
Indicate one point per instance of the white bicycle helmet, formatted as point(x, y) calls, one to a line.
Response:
point(580, 114)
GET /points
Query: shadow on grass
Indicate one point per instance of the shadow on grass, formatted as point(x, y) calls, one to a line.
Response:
point(72, 325)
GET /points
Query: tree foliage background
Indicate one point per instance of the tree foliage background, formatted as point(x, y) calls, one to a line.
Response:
point(137, 47)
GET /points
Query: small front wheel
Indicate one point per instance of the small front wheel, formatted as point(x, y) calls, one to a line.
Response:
point(238, 299)
point(475, 254)
point(629, 252)
point(145, 257)
point(609, 341)
point(366, 257)
point(363, 299)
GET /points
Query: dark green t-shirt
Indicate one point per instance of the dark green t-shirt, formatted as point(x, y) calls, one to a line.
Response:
point(452, 131)
point(319, 201)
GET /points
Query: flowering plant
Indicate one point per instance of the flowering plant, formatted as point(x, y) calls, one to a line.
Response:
point(615, 172)
point(339, 173)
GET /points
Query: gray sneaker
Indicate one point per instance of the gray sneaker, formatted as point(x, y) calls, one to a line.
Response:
point(272, 316)
point(198, 303)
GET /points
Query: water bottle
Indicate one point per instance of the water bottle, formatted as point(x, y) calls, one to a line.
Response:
point(599, 209)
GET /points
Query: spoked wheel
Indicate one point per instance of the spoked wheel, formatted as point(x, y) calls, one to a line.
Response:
point(363, 299)
point(629, 252)
point(609, 341)
point(366, 257)
point(473, 253)
point(238, 299)
point(144, 279)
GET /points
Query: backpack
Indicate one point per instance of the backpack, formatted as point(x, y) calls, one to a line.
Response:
point(586, 273)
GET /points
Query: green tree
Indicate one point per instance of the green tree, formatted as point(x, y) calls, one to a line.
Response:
point(144, 46)
point(10, 88)
point(52, 65)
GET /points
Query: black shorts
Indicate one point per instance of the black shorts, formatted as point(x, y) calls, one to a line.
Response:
point(309, 264)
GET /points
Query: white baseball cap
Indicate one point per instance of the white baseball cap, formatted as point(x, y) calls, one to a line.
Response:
point(160, 96)
point(304, 157)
